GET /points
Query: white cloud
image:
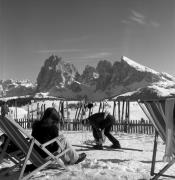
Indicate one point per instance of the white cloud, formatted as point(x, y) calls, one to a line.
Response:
point(137, 14)
point(96, 55)
point(139, 18)
point(60, 50)
point(90, 56)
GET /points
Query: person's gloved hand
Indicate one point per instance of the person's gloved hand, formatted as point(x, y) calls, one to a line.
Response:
point(99, 142)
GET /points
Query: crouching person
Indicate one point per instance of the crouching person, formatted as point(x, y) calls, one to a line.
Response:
point(101, 126)
point(46, 129)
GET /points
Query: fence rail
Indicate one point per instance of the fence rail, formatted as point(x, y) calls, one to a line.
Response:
point(132, 126)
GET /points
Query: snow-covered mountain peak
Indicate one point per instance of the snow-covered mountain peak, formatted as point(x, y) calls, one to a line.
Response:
point(16, 87)
point(137, 66)
point(168, 76)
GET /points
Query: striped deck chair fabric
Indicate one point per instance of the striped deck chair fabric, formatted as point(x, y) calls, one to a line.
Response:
point(18, 136)
point(161, 114)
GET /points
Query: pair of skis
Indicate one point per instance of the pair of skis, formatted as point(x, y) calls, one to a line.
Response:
point(88, 147)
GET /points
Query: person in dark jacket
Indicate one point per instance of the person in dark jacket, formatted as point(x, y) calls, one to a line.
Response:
point(4, 109)
point(102, 123)
point(46, 129)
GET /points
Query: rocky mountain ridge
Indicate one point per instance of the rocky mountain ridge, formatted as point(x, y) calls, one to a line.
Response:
point(55, 73)
point(61, 79)
point(12, 87)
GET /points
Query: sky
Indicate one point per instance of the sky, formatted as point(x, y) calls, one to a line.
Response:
point(84, 32)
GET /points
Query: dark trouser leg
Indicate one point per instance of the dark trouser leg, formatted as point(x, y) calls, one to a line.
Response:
point(96, 133)
point(110, 136)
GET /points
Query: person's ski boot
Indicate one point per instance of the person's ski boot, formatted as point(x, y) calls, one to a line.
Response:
point(116, 146)
point(98, 147)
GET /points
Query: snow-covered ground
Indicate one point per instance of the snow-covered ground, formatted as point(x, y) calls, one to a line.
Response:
point(131, 164)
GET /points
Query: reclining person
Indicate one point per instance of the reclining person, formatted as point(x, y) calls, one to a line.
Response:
point(46, 129)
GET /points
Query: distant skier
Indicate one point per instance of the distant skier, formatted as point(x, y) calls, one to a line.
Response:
point(4, 109)
point(102, 123)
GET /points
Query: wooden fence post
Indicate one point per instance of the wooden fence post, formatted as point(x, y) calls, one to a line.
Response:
point(99, 107)
point(132, 126)
point(119, 111)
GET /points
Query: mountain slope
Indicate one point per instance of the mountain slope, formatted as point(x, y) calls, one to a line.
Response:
point(61, 79)
point(16, 88)
point(106, 80)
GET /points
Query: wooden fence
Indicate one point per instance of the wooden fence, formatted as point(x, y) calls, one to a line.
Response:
point(132, 126)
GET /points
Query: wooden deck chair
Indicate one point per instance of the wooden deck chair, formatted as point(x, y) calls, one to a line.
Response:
point(18, 136)
point(15, 156)
point(156, 112)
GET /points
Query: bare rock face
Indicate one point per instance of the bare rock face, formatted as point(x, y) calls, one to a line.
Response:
point(89, 75)
point(125, 74)
point(55, 73)
point(105, 70)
